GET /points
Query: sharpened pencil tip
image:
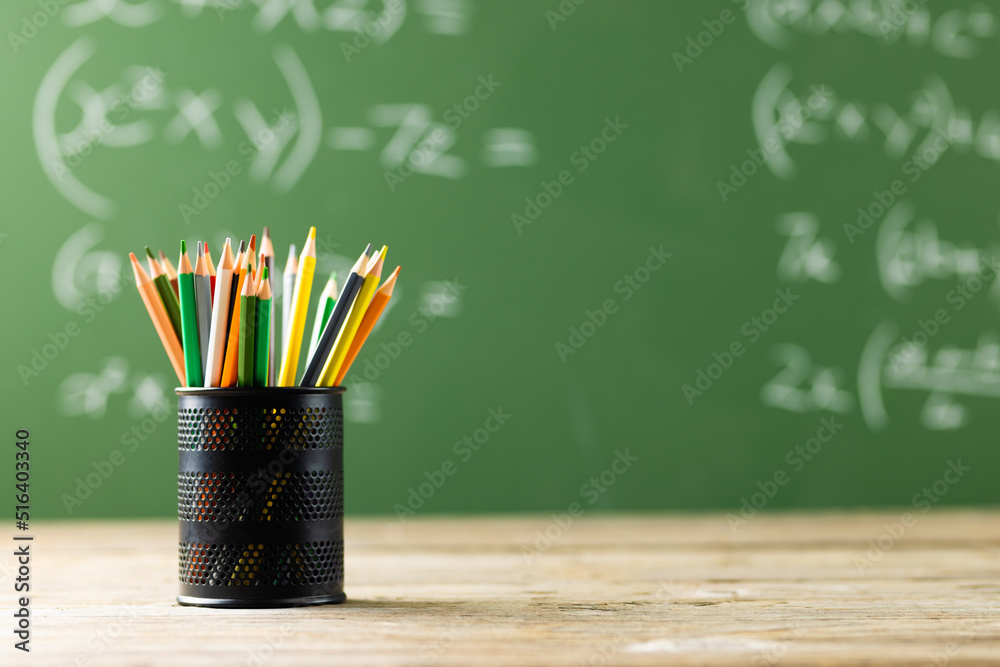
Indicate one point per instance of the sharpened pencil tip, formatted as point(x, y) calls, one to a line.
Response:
point(150, 253)
point(267, 231)
point(184, 246)
point(312, 232)
point(243, 247)
point(264, 275)
point(368, 251)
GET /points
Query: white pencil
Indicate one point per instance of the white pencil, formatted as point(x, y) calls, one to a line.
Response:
point(287, 294)
point(220, 317)
point(203, 299)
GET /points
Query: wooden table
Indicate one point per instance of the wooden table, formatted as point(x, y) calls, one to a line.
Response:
point(616, 590)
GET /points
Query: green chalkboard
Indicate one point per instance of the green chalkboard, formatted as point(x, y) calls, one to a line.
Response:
point(655, 255)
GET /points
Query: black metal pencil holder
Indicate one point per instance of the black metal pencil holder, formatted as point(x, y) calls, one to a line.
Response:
point(260, 496)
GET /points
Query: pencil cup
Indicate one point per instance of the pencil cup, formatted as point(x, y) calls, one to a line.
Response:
point(260, 496)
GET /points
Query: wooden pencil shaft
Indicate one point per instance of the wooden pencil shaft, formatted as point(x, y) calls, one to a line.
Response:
point(170, 303)
point(262, 343)
point(299, 310)
point(269, 265)
point(158, 316)
point(189, 325)
point(248, 315)
point(349, 329)
point(220, 316)
point(203, 299)
point(333, 326)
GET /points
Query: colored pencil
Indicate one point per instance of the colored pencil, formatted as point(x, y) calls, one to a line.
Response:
point(333, 326)
point(287, 294)
point(203, 299)
point(262, 335)
point(189, 320)
point(299, 309)
point(252, 255)
point(158, 314)
point(248, 321)
point(336, 358)
point(220, 316)
point(166, 292)
point(267, 258)
point(231, 360)
point(372, 314)
point(169, 269)
point(327, 299)
point(234, 289)
point(211, 269)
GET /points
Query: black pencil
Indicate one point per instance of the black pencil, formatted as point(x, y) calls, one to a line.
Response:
point(336, 322)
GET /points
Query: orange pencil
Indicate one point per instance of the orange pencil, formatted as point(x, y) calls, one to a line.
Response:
point(161, 321)
point(375, 308)
point(171, 272)
point(230, 366)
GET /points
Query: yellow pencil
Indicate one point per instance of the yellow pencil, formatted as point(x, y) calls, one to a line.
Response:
point(372, 314)
point(358, 308)
point(300, 307)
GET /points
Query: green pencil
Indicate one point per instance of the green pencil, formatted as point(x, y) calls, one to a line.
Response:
point(189, 320)
point(248, 315)
point(263, 332)
point(327, 300)
point(166, 292)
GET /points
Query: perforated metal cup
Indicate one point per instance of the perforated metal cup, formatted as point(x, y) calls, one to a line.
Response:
point(260, 496)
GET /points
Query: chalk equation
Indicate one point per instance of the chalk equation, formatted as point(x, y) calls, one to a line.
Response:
point(955, 33)
point(379, 19)
point(892, 362)
point(815, 114)
point(280, 144)
point(909, 252)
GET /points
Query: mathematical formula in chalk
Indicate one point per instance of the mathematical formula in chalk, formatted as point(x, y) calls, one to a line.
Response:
point(954, 33)
point(278, 144)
